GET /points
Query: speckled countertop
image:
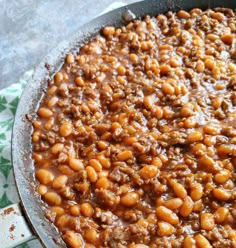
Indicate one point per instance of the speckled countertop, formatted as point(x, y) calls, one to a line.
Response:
point(29, 29)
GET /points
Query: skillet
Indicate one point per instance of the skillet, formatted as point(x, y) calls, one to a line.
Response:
point(21, 139)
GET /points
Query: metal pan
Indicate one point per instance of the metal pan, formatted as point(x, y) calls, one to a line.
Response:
point(21, 139)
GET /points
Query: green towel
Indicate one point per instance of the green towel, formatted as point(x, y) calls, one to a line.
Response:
point(9, 98)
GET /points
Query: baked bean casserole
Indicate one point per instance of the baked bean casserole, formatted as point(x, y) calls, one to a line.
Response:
point(135, 139)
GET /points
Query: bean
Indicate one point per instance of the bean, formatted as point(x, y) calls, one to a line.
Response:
point(166, 47)
point(129, 199)
point(189, 242)
point(75, 210)
point(177, 89)
point(187, 207)
point(102, 145)
point(52, 198)
point(210, 130)
point(131, 130)
point(52, 102)
point(183, 14)
point(173, 203)
point(165, 69)
point(58, 78)
point(198, 149)
point(58, 210)
point(186, 110)
point(57, 148)
point(102, 183)
point(92, 174)
point(86, 209)
point(121, 70)
point(227, 38)
point(200, 66)
point(95, 164)
point(36, 136)
point(91, 236)
point(167, 215)
point(79, 81)
point(196, 192)
point(52, 90)
point(157, 162)
point(207, 221)
point(220, 86)
point(158, 112)
point(134, 58)
point(66, 129)
point(212, 37)
point(218, 16)
point(65, 76)
point(167, 112)
point(131, 140)
point(163, 158)
point(209, 141)
point(146, 45)
point(45, 112)
point(115, 126)
point(109, 31)
point(209, 63)
point(148, 102)
point(85, 108)
point(121, 80)
point(76, 164)
point(189, 123)
point(63, 221)
point(207, 163)
point(105, 162)
point(195, 12)
point(49, 124)
point(37, 157)
point(64, 169)
point(194, 136)
point(165, 229)
point(42, 189)
point(44, 176)
point(221, 194)
point(216, 74)
point(179, 189)
point(216, 103)
point(222, 176)
point(232, 67)
point(224, 149)
point(221, 214)
point(202, 242)
point(148, 171)
point(70, 59)
point(125, 155)
point(60, 182)
point(73, 239)
point(168, 89)
point(174, 62)
point(37, 124)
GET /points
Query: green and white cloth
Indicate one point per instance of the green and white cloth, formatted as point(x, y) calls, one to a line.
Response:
point(9, 99)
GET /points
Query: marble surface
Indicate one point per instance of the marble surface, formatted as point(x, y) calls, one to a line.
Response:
point(29, 29)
